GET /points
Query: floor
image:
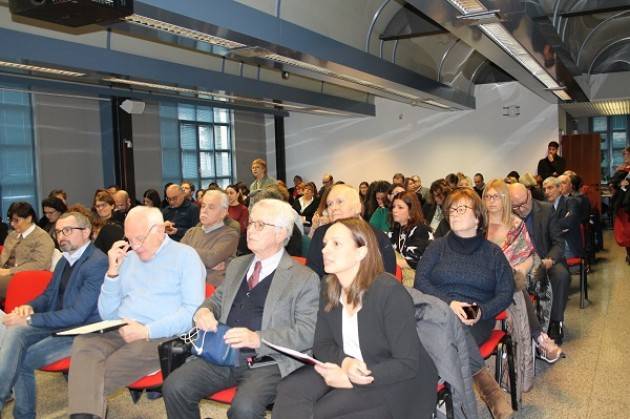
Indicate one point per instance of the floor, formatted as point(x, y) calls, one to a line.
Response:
point(589, 383)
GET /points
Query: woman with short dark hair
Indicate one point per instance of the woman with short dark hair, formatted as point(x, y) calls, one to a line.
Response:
point(471, 275)
point(151, 198)
point(52, 209)
point(373, 364)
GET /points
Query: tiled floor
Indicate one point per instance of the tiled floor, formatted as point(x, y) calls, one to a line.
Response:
point(589, 383)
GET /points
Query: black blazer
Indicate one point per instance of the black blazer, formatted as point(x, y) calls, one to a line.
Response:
point(390, 347)
point(567, 217)
point(307, 212)
point(546, 233)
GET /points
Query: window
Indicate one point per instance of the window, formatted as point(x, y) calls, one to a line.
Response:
point(614, 138)
point(196, 144)
point(17, 153)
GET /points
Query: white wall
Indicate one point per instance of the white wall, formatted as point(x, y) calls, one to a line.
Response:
point(411, 140)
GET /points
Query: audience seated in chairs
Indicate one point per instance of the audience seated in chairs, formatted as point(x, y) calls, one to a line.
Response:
point(52, 209)
point(68, 301)
point(373, 363)
point(266, 295)
point(545, 233)
point(214, 241)
point(107, 226)
point(237, 209)
point(343, 202)
point(26, 248)
point(467, 271)
point(155, 284)
point(180, 215)
point(307, 203)
point(433, 209)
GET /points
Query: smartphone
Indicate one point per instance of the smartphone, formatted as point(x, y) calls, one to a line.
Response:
point(471, 311)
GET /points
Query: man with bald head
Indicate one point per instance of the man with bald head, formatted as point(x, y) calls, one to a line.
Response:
point(181, 214)
point(344, 202)
point(122, 205)
point(213, 239)
point(155, 284)
point(542, 226)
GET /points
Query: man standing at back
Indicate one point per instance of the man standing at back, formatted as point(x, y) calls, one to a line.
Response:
point(155, 284)
point(553, 164)
point(181, 214)
point(68, 301)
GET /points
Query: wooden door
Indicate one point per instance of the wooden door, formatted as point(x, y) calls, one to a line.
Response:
point(583, 155)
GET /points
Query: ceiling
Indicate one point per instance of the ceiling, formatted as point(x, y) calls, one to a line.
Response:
point(331, 57)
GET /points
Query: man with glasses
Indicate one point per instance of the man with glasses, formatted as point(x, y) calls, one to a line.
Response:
point(265, 295)
point(26, 248)
point(181, 214)
point(546, 235)
point(155, 284)
point(68, 301)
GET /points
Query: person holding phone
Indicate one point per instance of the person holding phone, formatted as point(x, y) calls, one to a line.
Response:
point(374, 365)
point(474, 278)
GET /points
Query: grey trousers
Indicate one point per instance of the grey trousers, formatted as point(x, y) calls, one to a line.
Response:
point(103, 363)
point(197, 379)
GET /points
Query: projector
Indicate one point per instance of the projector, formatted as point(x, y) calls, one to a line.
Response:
point(74, 13)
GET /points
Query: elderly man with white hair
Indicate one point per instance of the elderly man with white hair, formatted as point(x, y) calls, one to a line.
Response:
point(265, 295)
point(214, 241)
point(155, 284)
point(343, 201)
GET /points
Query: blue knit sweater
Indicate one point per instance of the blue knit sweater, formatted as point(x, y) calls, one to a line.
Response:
point(472, 270)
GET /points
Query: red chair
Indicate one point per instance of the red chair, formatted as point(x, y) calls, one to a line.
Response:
point(25, 286)
point(500, 343)
point(224, 396)
point(582, 262)
point(399, 274)
point(299, 259)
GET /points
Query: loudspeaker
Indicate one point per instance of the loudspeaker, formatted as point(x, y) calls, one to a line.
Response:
point(132, 106)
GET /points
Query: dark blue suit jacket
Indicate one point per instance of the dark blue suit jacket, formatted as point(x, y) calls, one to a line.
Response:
point(567, 217)
point(80, 297)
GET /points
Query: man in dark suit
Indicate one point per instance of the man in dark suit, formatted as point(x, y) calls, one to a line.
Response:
point(539, 218)
point(180, 215)
point(567, 216)
point(344, 202)
point(266, 295)
point(68, 301)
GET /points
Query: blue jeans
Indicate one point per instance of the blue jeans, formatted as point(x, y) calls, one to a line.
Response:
point(22, 350)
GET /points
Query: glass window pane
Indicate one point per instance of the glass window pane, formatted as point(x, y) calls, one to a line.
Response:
point(618, 140)
point(604, 141)
point(206, 165)
point(188, 136)
point(189, 164)
point(600, 124)
point(224, 183)
point(224, 165)
point(186, 112)
point(221, 137)
point(617, 160)
point(221, 115)
point(204, 114)
point(205, 137)
point(619, 122)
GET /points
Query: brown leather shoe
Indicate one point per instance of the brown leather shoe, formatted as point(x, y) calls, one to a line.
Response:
point(492, 395)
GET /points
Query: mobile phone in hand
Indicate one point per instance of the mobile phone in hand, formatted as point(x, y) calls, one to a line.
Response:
point(471, 311)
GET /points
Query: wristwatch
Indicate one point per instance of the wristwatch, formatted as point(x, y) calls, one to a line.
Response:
point(29, 319)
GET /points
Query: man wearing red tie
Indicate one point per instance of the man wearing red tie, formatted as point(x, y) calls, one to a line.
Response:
point(266, 295)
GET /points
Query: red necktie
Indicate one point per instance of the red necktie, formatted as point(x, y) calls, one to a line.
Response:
point(253, 280)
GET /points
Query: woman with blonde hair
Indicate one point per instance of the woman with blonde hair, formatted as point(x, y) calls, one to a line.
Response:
point(509, 232)
point(373, 364)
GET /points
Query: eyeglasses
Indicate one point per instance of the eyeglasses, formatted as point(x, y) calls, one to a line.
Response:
point(494, 197)
point(518, 207)
point(66, 231)
point(260, 225)
point(460, 210)
point(134, 245)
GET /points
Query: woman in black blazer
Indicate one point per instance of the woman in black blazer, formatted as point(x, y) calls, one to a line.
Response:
point(374, 365)
point(307, 204)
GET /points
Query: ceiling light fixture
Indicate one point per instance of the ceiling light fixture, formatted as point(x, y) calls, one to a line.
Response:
point(503, 38)
point(38, 69)
point(182, 31)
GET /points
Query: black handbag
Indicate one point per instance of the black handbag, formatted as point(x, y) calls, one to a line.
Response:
point(173, 354)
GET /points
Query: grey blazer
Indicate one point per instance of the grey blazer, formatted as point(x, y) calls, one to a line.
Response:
point(547, 236)
point(290, 311)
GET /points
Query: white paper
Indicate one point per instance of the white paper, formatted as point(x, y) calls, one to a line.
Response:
point(307, 359)
point(93, 327)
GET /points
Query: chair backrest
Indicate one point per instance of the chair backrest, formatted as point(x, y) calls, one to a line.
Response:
point(26, 286)
point(299, 259)
point(399, 274)
point(209, 290)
